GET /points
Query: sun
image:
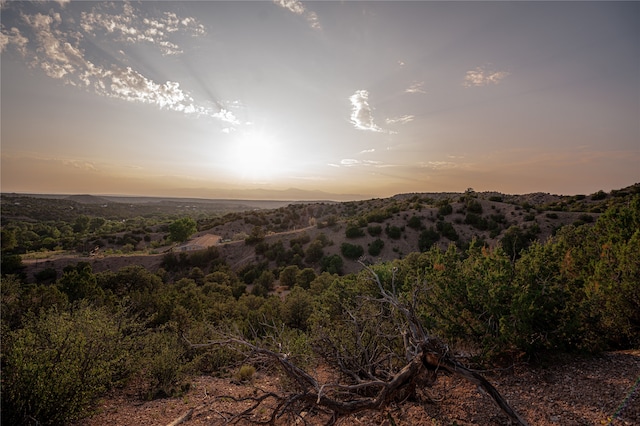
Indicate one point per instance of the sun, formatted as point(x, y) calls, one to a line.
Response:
point(255, 156)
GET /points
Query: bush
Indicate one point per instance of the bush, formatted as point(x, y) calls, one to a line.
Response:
point(331, 264)
point(445, 209)
point(393, 232)
point(374, 230)
point(164, 359)
point(376, 247)
point(245, 373)
point(351, 251)
point(447, 230)
point(474, 206)
point(415, 222)
point(427, 238)
point(353, 231)
point(58, 364)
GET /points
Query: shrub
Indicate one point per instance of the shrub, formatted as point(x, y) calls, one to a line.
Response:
point(447, 230)
point(374, 230)
point(353, 231)
point(351, 251)
point(58, 364)
point(427, 238)
point(378, 216)
point(331, 264)
point(476, 221)
point(376, 247)
point(474, 206)
point(245, 373)
point(445, 209)
point(165, 364)
point(393, 232)
point(414, 222)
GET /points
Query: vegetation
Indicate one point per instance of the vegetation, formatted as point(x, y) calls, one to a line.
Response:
point(181, 229)
point(69, 335)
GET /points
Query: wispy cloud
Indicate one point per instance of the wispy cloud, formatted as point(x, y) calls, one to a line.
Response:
point(438, 165)
point(83, 165)
point(295, 6)
point(368, 151)
point(54, 44)
point(404, 119)
point(352, 162)
point(483, 76)
point(416, 87)
point(127, 26)
point(361, 112)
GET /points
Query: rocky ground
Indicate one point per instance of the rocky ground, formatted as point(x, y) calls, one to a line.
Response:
point(597, 391)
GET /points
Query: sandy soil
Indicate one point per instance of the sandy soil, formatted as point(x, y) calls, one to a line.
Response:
point(596, 391)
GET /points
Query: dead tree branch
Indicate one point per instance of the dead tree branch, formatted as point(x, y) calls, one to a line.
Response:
point(377, 375)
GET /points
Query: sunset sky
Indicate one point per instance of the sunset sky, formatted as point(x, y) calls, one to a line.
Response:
point(369, 99)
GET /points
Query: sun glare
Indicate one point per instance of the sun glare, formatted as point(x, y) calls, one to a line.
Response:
point(255, 156)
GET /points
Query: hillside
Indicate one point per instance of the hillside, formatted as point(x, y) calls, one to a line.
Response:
point(384, 311)
point(381, 229)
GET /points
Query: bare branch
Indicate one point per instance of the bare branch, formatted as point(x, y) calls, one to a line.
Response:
point(379, 376)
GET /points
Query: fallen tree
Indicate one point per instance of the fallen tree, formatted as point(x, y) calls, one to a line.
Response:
point(374, 374)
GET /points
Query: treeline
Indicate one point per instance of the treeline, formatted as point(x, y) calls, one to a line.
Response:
point(67, 341)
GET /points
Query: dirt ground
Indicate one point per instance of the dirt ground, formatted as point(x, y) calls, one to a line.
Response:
point(597, 391)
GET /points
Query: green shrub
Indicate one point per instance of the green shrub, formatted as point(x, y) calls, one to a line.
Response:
point(393, 232)
point(353, 231)
point(374, 230)
point(331, 264)
point(414, 222)
point(58, 364)
point(427, 238)
point(376, 247)
point(245, 373)
point(165, 364)
point(351, 251)
point(447, 230)
point(445, 209)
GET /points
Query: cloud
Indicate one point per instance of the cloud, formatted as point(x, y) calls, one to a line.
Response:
point(439, 165)
point(368, 151)
point(352, 162)
point(16, 39)
point(127, 26)
point(361, 113)
point(295, 6)
point(80, 164)
point(404, 119)
point(416, 87)
point(57, 48)
point(481, 76)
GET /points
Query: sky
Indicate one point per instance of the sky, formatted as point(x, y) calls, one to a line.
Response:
point(356, 99)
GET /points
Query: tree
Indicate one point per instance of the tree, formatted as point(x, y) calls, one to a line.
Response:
point(314, 252)
point(180, 230)
point(332, 264)
point(305, 277)
point(288, 276)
